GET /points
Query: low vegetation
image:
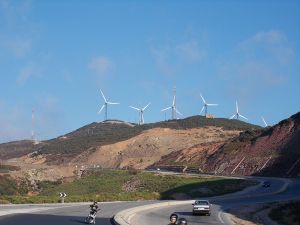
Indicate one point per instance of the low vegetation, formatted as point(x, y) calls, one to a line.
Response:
point(11, 187)
point(8, 168)
point(287, 214)
point(131, 185)
point(8, 186)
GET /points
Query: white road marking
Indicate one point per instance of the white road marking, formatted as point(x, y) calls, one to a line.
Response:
point(130, 217)
point(220, 217)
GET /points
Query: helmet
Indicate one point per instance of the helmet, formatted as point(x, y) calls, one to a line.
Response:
point(95, 202)
point(173, 216)
point(182, 221)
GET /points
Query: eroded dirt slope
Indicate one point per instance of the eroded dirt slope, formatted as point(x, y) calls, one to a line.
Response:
point(147, 148)
point(273, 151)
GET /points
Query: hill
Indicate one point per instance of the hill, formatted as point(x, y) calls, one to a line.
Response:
point(273, 151)
point(15, 149)
point(91, 136)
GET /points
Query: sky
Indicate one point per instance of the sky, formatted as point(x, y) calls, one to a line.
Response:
point(55, 56)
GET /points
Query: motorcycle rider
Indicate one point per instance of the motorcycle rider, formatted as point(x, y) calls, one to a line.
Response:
point(173, 219)
point(182, 221)
point(94, 208)
point(92, 217)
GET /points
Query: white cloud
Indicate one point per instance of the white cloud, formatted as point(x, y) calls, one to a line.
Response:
point(261, 63)
point(272, 43)
point(14, 11)
point(162, 59)
point(171, 57)
point(18, 32)
point(100, 65)
point(190, 51)
point(18, 46)
point(270, 37)
point(27, 72)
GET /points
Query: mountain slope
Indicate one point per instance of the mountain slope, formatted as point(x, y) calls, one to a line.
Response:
point(148, 147)
point(15, 149)
point(273, 151)
point(90, 137)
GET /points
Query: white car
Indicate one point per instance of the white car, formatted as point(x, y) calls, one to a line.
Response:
point(201, 207)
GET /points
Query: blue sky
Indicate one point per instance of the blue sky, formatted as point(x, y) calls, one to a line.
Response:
point(56, 55)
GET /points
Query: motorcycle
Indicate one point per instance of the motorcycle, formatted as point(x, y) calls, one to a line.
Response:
point(91, 219)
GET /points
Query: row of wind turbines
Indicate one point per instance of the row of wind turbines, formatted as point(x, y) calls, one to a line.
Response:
point(173, 109)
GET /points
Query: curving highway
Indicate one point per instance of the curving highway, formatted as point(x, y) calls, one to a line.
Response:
point(280, 190)
point(68, 214)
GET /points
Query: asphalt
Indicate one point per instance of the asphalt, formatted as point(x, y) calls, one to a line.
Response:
point(63, 214)
point(69, 214)
point(281, 190)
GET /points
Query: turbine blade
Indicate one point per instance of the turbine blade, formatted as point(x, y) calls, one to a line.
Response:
point(103, 95)
point(113, 103)
point(166, 108)
point(135, 108)
point(146, 106)
point(203, 99)
point(237, 107)
point(264, 122)
point(101, 109)
point(202, 109)
point(243, 117)
point(212, 104)
point(178, 112)
point(232, 116)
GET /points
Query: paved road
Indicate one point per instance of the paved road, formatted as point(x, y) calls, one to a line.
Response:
point(251, 197)
point(75, 214)
point(63, 215)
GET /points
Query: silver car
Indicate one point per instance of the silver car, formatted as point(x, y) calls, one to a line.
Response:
point(201, 207)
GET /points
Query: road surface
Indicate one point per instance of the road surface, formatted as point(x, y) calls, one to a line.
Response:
point(280, 190)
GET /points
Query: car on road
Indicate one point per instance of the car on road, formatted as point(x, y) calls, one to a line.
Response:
point(266, 184)
point(201, 207)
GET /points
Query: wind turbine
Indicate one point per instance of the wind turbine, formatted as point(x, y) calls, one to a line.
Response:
point(266, 125)
point(173, 108)
point(141, 112)
point(237, 114)
point(205, 105)
point(105, 105)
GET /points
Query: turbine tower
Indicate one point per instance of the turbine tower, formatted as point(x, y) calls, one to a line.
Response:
point(32, 126)
point(33, 136)
point(237, 114)
point(263, 119)
point(105, 105)
point(205, 106)
point(173, 107)
point(141, 113)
